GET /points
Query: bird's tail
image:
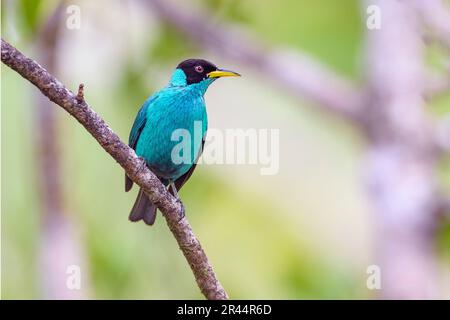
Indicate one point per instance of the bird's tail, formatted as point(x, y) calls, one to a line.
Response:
point(143, 209)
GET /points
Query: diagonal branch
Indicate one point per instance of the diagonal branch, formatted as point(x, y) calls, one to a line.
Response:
point(300, 74)
point(126, 157)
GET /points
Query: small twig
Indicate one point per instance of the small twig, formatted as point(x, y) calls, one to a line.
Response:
point(80, 94)
point(127, 158)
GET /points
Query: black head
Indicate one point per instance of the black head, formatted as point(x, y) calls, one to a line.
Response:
point(196, 70)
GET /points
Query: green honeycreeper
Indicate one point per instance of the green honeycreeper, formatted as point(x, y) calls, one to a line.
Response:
point(177, 106)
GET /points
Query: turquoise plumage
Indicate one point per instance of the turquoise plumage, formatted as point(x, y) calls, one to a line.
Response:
point(180, 105)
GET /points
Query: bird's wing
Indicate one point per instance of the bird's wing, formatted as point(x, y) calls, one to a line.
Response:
point(138, 125)
point(185, 177)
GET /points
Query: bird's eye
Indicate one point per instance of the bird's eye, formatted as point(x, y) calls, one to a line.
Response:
point(199, 69)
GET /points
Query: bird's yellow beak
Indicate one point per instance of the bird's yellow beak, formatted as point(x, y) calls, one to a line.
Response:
point(222, 73)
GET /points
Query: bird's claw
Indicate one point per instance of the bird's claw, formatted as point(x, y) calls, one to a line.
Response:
point(143, 163)
point(182, 212)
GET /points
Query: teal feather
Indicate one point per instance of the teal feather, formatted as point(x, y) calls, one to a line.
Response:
point(174, 107)
point(177, 106)
point(180, 105)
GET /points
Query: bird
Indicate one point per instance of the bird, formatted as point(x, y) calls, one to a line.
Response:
point(179, 105)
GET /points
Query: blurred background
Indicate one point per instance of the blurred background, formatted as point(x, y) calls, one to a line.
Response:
point(305, 233)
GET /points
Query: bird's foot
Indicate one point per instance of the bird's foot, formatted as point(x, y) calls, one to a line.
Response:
point(174, 190)
point(182, 212)
point(143, 163)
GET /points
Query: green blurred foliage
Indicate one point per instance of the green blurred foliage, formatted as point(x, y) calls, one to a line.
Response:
point(328, 30)
point(170, 45)
point(29, 11)
point(235, 11)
